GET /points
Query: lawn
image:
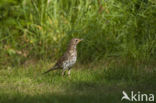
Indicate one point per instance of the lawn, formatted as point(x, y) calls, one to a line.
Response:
point(87, 84)
point(118, 52)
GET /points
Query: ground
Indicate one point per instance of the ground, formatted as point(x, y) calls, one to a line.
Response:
point(87, 84)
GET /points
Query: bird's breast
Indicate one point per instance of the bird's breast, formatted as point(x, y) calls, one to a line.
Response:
point(70, 61)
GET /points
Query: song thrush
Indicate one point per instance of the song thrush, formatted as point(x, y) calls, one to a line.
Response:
point(68, 59)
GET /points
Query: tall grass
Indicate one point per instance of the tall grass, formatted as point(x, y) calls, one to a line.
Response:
point(110, 28)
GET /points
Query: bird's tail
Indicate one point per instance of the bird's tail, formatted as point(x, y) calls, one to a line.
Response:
point(53, 68)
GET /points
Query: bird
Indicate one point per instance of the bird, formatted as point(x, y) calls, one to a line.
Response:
point(68, 59)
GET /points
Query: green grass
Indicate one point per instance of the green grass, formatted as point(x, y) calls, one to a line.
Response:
point(118, 52)
point(87, 84)
point(110, 28)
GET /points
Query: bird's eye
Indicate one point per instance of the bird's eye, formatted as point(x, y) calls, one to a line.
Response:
point(76, 40)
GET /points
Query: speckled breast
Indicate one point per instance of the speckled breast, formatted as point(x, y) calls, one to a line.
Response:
point(70, 62)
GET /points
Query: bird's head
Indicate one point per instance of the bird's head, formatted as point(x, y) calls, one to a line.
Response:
point(75, 41)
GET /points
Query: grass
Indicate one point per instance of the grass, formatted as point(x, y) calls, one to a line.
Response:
point(87, 84)
point(110, 28)
point(41, 29)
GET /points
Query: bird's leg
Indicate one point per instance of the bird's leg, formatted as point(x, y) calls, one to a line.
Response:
point(69, 72)
point(63, 72)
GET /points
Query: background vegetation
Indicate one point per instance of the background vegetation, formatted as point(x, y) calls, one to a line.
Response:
point(111, 28)
point(118, 51)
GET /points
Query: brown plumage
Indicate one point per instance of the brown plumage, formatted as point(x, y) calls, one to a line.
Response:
point(68, 59)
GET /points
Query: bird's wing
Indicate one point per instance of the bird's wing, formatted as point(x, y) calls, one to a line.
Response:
point(59, 63)
point(62, 59)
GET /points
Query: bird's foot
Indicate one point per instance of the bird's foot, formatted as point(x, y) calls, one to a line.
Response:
point(69, 73)
point(63, 73)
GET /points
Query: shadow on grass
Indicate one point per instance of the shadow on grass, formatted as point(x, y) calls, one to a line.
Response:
point(56, 98)
point(75, 92)
point(78, 92)
point(104, 87)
